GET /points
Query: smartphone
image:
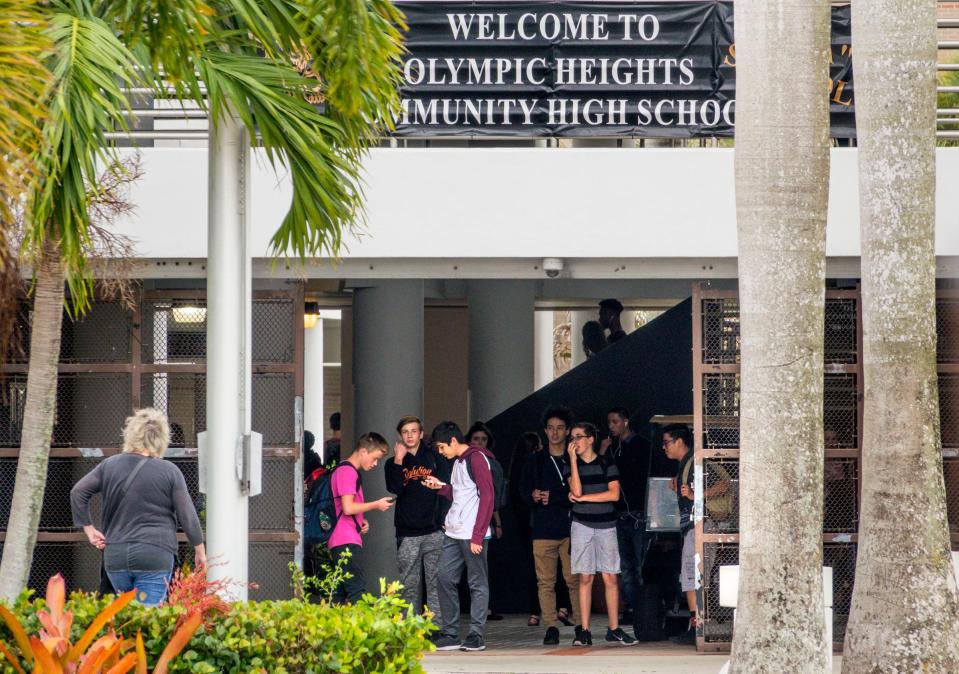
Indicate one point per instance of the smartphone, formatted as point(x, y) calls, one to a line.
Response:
point(391, 499)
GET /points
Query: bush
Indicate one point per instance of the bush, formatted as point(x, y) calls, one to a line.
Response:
point(380, 634)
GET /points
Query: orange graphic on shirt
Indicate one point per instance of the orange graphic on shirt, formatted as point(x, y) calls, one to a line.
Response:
point(417, 473)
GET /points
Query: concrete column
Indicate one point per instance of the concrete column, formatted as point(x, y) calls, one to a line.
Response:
point(543, 359)
point(501, 345)
point(578, 319)
point(229, 307)
point(387, 384)
point(313, 420)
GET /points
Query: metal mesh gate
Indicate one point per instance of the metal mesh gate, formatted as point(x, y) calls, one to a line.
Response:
point(114, 360)
point(716, 368)
point(947, 356)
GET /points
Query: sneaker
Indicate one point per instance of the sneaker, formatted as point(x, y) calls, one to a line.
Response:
point(552, 637)
point(445, 643)
point(583, 637)
point(619, 636)
point(688, 638)
point(474, 642)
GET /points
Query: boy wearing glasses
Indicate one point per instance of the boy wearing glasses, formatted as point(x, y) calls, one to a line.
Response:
point(594, 491)
point(678, 445)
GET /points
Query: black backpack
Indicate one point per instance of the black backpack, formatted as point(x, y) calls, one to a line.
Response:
point(499, 480)
point(319, 511)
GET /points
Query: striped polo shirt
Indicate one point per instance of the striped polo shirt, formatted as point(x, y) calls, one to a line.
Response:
point(595, 477)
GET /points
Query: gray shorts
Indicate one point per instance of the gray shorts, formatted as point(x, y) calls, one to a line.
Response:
point(687, 575)
point(593, 550)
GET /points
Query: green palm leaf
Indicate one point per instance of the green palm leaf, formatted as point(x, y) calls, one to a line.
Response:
point(90, 66)
point(23, 80)
point(242, 51)
point(268, 97)
point(168, 35)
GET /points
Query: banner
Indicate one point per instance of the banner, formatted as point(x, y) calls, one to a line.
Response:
point(575, 69)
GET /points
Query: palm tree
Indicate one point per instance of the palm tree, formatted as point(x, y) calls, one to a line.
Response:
point(782, 179)
point(228, 56)
point(905, 610)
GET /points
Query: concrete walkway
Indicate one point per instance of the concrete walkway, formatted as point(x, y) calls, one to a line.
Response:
point(611, 661)
point(514, 648)
point(600, 660)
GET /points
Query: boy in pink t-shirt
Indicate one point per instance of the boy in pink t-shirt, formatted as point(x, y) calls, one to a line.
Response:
point(350, 507)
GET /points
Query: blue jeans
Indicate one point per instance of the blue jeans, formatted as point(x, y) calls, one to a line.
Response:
point(633, 544)
point(151, 586)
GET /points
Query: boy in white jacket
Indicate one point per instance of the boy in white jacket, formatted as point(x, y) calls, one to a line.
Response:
point(467, 535)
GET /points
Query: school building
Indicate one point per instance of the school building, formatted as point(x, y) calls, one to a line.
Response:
point(461, 295)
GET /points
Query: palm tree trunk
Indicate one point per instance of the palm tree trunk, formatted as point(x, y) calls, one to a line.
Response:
point(37, 424)
point(782, 181)
point(905, 613)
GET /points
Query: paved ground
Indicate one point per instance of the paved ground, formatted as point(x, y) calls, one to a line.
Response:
point(512, 647)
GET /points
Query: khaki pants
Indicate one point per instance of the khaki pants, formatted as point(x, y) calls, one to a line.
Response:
point(545, 555)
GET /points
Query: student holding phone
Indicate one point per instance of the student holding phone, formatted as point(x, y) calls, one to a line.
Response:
point(347, 536)
point(419, 512)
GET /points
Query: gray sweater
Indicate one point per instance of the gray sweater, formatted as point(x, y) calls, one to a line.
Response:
point(147, 516)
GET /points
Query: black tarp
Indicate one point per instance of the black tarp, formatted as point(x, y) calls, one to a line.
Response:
point(649, 372)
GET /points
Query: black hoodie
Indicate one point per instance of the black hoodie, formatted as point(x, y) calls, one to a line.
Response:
point(419, 510)
point(545, 472)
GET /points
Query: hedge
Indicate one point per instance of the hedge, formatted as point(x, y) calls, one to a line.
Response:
point(379, 634)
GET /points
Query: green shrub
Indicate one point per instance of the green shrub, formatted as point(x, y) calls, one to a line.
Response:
point(380, 634)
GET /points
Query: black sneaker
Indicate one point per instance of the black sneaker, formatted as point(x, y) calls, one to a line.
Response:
point(583, 637)
point(552, 637)
point(688, 638)
point(619, 636)
point(474, 642)
point(445, 643)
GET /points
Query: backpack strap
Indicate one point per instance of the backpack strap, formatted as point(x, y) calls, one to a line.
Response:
point(685, 472)
point(469, 471)
point(359, 483)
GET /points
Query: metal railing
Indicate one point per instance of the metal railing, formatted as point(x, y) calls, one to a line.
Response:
point(947, 119)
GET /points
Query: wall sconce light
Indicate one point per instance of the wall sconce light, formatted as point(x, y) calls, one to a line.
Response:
point(188, 314)
point(311, 314)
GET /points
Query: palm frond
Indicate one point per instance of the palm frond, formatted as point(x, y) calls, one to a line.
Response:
point(167, 35)
point(275, 25)
point(357, 47)
point(23, 80)
point(268, 97)
point(90, 66)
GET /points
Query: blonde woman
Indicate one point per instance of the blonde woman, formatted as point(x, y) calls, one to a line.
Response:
point(144, 497)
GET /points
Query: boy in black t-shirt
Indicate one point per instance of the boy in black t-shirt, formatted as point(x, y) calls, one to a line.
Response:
point(594, 491)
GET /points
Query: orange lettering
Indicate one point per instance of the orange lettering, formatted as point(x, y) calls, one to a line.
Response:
point(732, 52)
point(837, 98)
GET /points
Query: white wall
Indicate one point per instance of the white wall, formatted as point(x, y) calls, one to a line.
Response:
point(515, 203)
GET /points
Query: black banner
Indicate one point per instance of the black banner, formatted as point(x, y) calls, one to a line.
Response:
point(573, 69)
